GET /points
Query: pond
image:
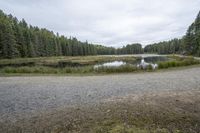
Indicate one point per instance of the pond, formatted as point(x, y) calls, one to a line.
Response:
point(143, 60)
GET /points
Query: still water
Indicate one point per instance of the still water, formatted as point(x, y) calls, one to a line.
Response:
point(148, 60)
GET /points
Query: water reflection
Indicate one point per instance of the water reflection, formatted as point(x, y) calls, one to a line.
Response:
point(142, 63)
point(111, 64)
point(145, 65)
point(155, 59)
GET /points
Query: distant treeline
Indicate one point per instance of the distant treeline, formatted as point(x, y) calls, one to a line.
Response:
point(18, 39)
point(189, 44)
point(165, 47)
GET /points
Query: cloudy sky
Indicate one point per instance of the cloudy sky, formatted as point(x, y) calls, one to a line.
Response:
point(108, 22)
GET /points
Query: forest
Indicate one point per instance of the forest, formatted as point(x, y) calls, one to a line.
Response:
point(189, 44)
point(19, 40)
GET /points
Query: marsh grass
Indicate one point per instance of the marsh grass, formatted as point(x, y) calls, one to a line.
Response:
point(63, 61)
point(64, 65)
point(71, 70)
point(180, 61)
point(46, 70)
point(83, 65)
point(120, 69)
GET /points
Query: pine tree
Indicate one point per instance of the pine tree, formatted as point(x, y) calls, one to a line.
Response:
point(1, 45)
point(19, 39)
point(29, 44)
point(8, 42)
point(192, 38)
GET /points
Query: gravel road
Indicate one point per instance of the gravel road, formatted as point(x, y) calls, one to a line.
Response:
point(25, 95)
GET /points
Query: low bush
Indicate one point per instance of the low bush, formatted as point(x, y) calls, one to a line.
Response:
point(86, 69)
point(120, 69)
point(47, 70)
point(177, 63)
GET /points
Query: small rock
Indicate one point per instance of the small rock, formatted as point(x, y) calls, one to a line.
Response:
point(177, 100)
point(108, 111)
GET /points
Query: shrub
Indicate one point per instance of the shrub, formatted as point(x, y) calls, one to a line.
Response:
point(29, 70)
point(180, 62)
point(120, 69)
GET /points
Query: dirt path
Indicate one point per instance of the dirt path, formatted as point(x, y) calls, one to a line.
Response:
point(48, 103)
point(24, 95)
point(157, 112)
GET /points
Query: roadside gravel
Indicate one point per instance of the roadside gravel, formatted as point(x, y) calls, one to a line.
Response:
point(27, 95)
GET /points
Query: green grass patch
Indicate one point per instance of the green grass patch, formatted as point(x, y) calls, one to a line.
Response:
point(180, 61)
point(46, 70)
point(120, 69)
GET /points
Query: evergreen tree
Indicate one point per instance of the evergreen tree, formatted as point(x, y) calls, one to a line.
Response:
point(9, 49)
point(18, 39)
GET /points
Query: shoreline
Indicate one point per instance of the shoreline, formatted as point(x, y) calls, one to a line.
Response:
point(97, 74)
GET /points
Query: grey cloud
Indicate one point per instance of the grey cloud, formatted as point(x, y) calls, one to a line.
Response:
point(108, 22)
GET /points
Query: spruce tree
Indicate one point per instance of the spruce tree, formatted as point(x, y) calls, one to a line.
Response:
point(9, 49)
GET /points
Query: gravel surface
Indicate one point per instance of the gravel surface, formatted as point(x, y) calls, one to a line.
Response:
point(25, 95)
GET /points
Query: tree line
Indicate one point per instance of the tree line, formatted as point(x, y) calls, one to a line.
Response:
point(18, 39)
point(188, 44)
point(130, 49)
point(165, 47)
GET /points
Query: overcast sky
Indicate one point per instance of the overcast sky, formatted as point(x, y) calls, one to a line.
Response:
point(108, 22)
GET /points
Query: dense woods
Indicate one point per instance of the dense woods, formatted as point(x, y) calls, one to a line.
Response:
point(165, 47)
point(189, 44)
point(192, 38)
point(18, 39)
point(131, 49)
